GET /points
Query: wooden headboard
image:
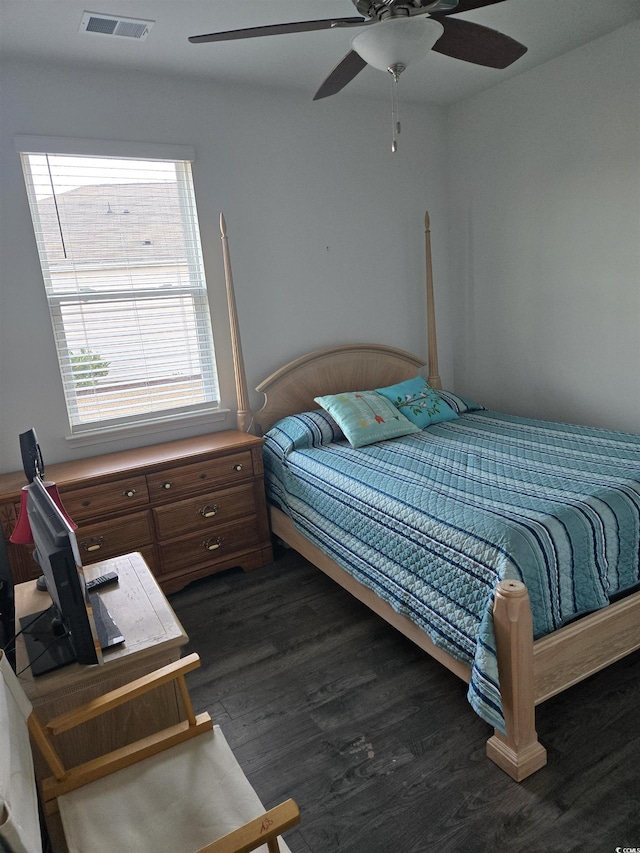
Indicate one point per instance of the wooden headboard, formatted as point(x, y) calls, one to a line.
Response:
point(351, 367)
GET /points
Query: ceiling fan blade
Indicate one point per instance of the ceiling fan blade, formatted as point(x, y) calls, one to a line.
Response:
point(477, 44)
point(468, 5)
point(277, 29)
point(344, 72)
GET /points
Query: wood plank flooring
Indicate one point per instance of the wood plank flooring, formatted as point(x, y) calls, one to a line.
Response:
point(322, 701)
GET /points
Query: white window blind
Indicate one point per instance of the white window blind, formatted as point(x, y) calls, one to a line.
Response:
point(122, 264)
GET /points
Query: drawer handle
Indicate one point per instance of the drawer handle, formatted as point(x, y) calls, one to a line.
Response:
point(209, 511)
point(93, 544)
point(166, 485)
point(129, 493)
point(237, 466)
point(213, 544)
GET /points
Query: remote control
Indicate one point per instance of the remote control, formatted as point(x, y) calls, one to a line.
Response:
point(103, 580)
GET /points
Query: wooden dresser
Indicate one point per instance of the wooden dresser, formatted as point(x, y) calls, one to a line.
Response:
point(190, 507)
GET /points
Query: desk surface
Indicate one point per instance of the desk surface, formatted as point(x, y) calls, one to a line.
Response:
point(137, 604)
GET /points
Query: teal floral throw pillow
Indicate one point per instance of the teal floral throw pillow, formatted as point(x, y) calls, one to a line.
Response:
point(418, 402)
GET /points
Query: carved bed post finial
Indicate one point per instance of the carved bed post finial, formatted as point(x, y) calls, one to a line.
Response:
point(244, 418)
point(434, 376)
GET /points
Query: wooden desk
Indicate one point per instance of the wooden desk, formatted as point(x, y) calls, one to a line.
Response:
point(153, 637)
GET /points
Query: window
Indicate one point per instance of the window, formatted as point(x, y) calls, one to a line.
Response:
point(122, 264)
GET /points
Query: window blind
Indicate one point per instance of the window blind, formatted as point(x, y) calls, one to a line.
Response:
point(121, 259)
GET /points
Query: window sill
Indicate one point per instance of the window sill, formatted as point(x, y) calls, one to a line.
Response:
point(104, 434)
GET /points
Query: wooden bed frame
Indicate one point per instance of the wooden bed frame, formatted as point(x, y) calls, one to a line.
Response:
point(530, 672)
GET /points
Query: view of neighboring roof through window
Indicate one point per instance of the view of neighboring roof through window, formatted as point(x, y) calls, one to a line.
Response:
point(122, 265)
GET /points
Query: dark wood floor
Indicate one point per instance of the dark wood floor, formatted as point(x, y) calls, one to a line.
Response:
point(323, 702)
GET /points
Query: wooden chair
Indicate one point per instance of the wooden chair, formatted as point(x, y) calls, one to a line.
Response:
point(180, 790)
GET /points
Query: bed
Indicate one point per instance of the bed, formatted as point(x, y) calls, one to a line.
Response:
point(558, 525)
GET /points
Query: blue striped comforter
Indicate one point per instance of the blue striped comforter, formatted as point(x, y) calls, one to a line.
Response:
point(432, 521)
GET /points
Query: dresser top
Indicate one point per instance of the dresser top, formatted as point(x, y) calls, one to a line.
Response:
point(153, 456)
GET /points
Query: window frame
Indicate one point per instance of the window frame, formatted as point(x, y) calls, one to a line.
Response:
point(182, 157)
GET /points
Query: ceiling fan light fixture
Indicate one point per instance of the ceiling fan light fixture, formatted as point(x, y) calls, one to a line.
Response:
point(397, 41)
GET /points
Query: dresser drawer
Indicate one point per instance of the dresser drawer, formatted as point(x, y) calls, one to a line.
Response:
point(205, 512)
point(199, 477)
point(191, 551)
point(105, 498)
point(114, 537)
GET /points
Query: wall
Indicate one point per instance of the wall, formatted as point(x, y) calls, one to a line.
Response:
point(545, 238)
point(541, 270)
point(325, 225)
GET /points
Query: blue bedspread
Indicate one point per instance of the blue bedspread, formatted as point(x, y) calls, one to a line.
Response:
point(432, 521)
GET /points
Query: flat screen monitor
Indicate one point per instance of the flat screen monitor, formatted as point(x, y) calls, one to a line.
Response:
point(7, 606)
point(78, 626)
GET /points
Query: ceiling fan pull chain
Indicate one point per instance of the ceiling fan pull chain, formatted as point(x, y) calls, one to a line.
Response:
point(395, 71)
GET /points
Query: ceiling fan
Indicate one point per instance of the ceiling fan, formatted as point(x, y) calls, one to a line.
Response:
point(396, 33)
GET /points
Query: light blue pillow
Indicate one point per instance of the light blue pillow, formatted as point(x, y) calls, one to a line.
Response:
point(418, 402)
point(366, 417)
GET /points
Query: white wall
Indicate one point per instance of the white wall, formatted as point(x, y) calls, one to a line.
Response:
point(545, 238)
point(537, 284)
point(325, 225)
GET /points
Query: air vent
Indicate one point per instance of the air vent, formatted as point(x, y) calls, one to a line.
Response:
point(107, 25)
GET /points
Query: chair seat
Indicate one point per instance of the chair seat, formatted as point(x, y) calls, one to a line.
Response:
point(180, 800)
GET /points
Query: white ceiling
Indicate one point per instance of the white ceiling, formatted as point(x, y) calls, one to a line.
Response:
point(49, 30)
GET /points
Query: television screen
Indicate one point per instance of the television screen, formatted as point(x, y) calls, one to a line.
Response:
point(7, 606)
point(77, 626)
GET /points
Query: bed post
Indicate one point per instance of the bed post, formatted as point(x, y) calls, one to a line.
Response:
point(434, 377)
point(518, 753)
point(244, 417)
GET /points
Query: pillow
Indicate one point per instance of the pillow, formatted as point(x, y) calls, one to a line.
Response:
point(308, 429)
point(366, 417)
point(418, 402)
point(460, 404)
